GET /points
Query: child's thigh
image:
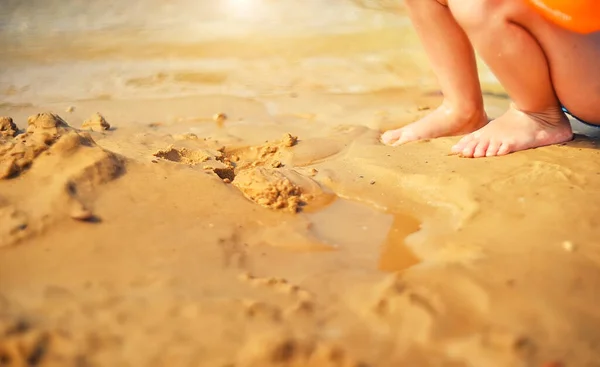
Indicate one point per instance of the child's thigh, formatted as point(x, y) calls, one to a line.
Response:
point(574, 67)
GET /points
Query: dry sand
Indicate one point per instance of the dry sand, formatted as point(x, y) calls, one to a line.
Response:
point(221, 230)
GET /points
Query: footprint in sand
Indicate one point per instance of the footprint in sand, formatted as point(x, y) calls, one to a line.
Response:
point(256, 309)
point(391, 304)
point(505, 348)
point(303, 303)
point(22, 343)
point(282, 349)
point(13, 223)
point(410, 312)
point(279, 285)
point(234, 252)
point(538, 172)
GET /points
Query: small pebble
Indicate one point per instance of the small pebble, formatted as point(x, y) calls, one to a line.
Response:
point(70, 109)
point(245, 276)
point(289, 140)
point(569, 246)
point(226, 180)
point(219, 118)
point(80, 212)
point(372, 182)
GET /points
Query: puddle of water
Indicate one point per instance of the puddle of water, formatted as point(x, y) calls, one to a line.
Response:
point(366, 233)
point(395, 255)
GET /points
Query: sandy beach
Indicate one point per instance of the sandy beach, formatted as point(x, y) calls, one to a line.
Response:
point(191, 184)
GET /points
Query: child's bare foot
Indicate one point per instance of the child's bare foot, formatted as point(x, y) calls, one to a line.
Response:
point(444, 121)
point(514, 131)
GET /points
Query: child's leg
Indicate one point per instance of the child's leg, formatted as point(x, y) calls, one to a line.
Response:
point(537, 63)
point(453, 61)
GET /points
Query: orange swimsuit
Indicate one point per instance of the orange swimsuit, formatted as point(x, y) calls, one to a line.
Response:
point(581, 16)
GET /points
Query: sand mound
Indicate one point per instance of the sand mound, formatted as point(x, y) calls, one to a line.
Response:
point(188, 156)
point(8, 128)
point(96, 123)
point(262, 176)
point(17, 155)
point(271, 154)
point(279, 188)
point(208, 159)
point(63, 166)
point(46, 123)
point(257, 171)
point(269, 188)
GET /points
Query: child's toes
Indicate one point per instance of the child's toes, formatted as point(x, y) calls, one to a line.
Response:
point(469, 149)
point(406, 136)
point(481, 149)
point(504, 149)
point(462, 143)
point(391, 136)
point(492, 149)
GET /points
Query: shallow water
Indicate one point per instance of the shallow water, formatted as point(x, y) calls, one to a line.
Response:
point(60, 51)
point(56, 51)
point(366, 233)
point(200, 20)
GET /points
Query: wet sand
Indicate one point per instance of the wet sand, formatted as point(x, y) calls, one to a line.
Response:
point(232, 205)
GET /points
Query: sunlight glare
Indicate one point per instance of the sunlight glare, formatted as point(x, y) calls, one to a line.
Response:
point(244, 9)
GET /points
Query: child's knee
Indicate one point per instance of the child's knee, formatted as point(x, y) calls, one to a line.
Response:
point(476, 13)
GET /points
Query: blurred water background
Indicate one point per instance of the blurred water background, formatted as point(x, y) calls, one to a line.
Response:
point(67, 50)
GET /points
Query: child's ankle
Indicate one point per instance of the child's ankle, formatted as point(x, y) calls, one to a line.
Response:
point(464, 110)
